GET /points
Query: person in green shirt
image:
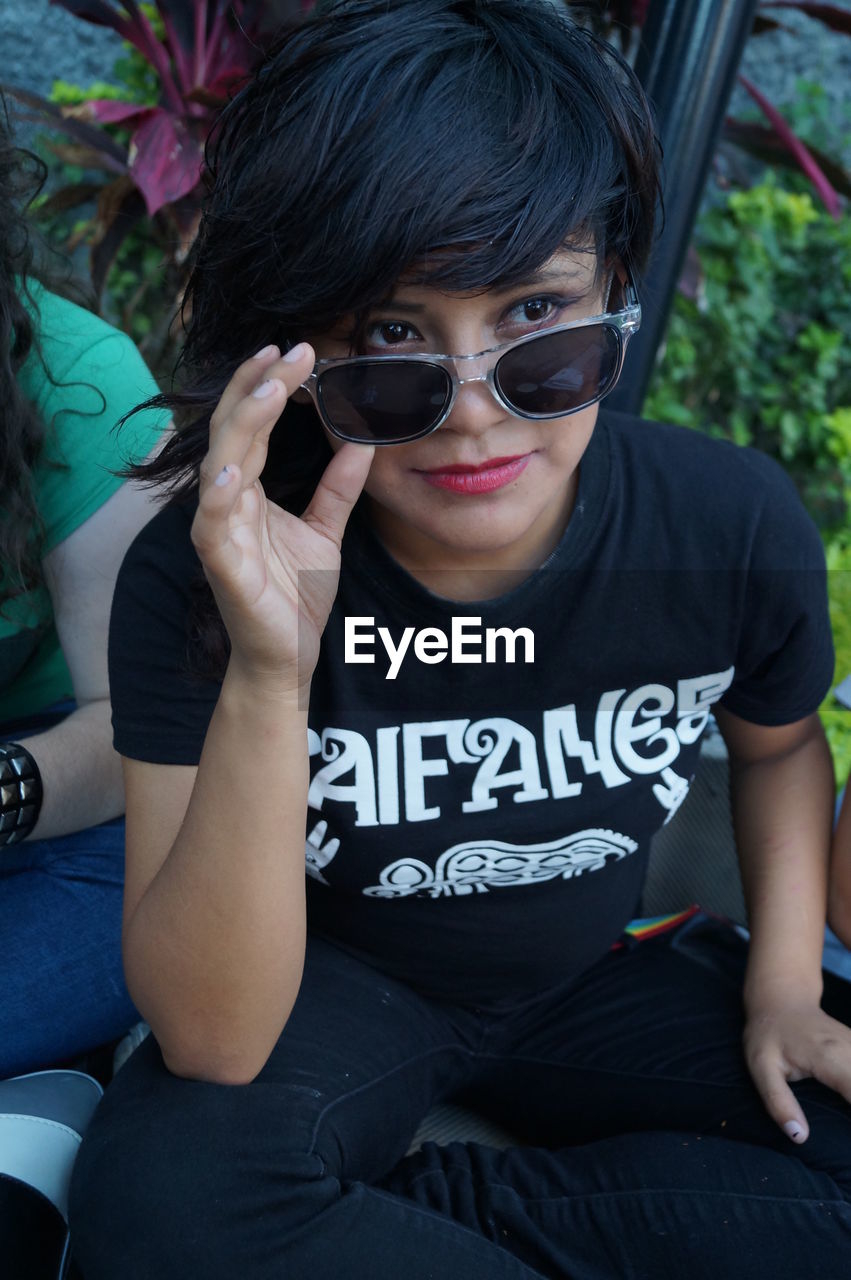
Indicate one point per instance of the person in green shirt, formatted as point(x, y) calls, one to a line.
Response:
point(66, 519)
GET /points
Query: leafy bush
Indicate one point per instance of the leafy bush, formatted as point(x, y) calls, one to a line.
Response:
point(760, 355)
point(131, 152)
point(836, 718)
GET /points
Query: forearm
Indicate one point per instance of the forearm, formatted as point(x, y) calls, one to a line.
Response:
point(80, 772)
point(839, 895)
point(782, 811)
point(215, 948)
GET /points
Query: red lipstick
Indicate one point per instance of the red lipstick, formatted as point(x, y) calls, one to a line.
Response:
point(493, 474)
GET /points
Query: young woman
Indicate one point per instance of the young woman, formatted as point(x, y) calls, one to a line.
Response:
point(66, 520)
point(466, 634)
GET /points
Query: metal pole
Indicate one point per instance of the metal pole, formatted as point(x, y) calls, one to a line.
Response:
point(687, 62)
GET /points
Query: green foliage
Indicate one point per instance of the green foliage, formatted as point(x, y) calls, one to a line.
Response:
point(142, 296)
point(131, 151)
point(821, 121)
point(66, 94)
point(133, 78)
point(761, 355)
point(836, 718)
point(136, 77)
point(143, 284)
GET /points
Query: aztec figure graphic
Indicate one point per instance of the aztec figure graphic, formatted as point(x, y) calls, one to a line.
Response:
point(478, 865)
point(316, 854)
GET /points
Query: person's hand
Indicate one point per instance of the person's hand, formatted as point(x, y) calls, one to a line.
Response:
point(274, 575)
point(792, 1042)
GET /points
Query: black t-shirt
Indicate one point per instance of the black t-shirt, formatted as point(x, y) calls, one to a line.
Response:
point(481, 829)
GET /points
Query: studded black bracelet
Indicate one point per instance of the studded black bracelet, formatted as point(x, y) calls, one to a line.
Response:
point(20, 793)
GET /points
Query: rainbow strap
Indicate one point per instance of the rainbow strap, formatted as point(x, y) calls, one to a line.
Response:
point(651, 926)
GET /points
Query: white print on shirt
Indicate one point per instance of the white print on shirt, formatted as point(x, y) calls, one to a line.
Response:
point(388, 782)
point(431, 645)
point(672, 793)
point(479, 865)
point(317, 855)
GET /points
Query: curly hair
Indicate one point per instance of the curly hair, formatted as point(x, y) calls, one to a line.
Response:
point(22, 176)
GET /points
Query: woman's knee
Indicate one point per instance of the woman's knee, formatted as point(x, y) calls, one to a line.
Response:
point(178, 1178)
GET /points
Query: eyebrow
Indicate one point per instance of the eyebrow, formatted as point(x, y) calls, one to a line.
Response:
point(555, 276)
point(399, 304)
point(573, 283)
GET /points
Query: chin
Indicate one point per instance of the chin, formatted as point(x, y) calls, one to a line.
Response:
point(476, 532)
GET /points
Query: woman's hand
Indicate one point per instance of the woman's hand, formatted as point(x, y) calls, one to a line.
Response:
point(781, 783)
point(793, 1042)
point(214, 946)
point(274, 575)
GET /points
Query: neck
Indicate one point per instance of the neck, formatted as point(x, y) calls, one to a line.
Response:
point(465, 574)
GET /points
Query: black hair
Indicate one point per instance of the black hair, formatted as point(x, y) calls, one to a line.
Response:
point(25, 259)
point(22, 176)
point(459, 143)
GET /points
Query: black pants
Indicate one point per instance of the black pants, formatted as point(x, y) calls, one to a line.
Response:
point(646, 1151)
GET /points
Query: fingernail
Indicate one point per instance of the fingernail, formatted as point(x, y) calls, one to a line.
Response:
point(296, 353)
point(267, 351)
point(223, 477)
point(794, 1130)
point(267, 388)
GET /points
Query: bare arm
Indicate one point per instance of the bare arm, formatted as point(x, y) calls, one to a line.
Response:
point(782, 787)
point(839, 896)
point(782, 791)
point(214, 927)
point(214, 938)
point(81, 774)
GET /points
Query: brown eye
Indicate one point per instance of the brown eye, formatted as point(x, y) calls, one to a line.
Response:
point(537, 309)
point(393, 333)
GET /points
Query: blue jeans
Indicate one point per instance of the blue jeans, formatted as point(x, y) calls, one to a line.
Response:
point(836, 958)
point(62, 990)
point(645, 1149)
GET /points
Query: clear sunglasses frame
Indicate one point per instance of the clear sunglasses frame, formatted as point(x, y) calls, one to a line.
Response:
point(625, 322)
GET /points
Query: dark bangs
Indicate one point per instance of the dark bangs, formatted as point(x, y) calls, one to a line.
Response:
point(459, 143)
point(379, 135)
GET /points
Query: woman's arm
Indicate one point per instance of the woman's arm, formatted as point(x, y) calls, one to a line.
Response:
point(839, 891)
point(80, 772)
point(214, 927)
point(782, 794)
point(214, 924)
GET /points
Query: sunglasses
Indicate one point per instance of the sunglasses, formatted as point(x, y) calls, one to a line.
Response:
point(548, 374)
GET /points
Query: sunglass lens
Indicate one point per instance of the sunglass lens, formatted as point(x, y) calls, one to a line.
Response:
point(560, 372)
point(383, 400)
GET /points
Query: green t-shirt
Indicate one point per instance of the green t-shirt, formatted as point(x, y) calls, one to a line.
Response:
point(96, 375)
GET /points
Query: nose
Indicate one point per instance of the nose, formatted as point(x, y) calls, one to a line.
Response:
point(476, 409)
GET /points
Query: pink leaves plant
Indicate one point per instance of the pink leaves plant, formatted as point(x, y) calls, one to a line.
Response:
point(204, 53)
point(203, 50)
point(815, 167)
point(775, 142)
point(151, 153)
point(805, 158)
